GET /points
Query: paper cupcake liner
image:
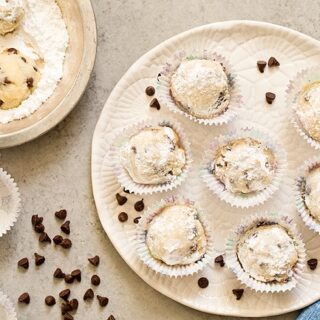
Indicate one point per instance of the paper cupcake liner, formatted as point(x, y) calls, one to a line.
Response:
point(293, 91)
point(157, 265)
point(234, 265)
point(311, 222)
point(251, 199)
point(166, 99)
point(10, 202)
point(7, 305)
point(122, 174)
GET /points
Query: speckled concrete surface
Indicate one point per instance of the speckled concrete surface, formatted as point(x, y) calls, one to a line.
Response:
point(54, 171)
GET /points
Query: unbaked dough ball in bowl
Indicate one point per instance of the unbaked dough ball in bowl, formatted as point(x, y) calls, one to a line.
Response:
point(11, 14)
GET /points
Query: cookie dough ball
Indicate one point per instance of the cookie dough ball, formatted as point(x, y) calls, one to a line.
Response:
point(244, 165)
point(19, 76)
point(312, 193)
point(201, 88)
point(268, 253)
point(154, 156)
point(176, 236)
point(308, 109)
point(11, 14)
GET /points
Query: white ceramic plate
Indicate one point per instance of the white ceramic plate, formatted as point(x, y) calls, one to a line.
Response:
point(243, 43)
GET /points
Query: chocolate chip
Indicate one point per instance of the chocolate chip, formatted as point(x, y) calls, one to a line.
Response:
point(24, 59)
point(76, 274)
point(150, 91)
point(66, 227)
point(57, 239)
point(66, 243)
point(68, 278)
point(50, 301)
point(238, 293)
point(95, 280)
point(74, 304)
point(155, 104)
point(6, 80)
point(13, 50)
point(44, 237)
point(88, 295)
point(67, 316)
point(111, 317)
point(62, 214)
point(312, 263)
point(121, 200)
point(219, 260)
point(24, 298)
point(1, 102)
point(136, 220)
point(35, 219)
point(123, 217)
point(65, 307)
point(270, 97)
point(103, 301)
point(95, 260)
point(203, 282)
point(273, 62)
point(58, 274)
point(139, 205)
point(39, 260)
point(29, 83)
point(261, 64)
point(35, 69)
point(39, 228)
point(64, 294)
point(24, 263)
point(126, 190)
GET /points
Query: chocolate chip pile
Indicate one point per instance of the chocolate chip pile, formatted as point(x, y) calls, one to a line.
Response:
point(67, 306)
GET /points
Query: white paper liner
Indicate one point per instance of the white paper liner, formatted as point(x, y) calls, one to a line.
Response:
point(165, 97)
point(233, 263)
point(10, 202)
point(311, 222)
point(251, 199)
point(293, 91)
point(122, 174)
point(157, 265)
point(7, 305)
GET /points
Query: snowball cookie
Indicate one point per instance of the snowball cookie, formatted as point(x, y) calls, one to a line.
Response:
point(200, 87)
point(312, 193)
point(308, 109)
point(268, 253)
point(11, 14)
point(19, 76)
point(153, 156)
point(244, 165)
point(176, 236)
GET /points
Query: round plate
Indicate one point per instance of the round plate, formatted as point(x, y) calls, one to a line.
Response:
point(80, 21)
point(242, 43)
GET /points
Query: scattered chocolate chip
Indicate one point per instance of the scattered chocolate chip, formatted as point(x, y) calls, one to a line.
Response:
point(103, 301)
point(24, 59)
point(67, 316)
point(24, 298)
point(312, 263)
point(35, 219)
point(57, 239)
point(203, 282)
point(74, 304)
point(238, 293)
point(150, 91)
point(139, 205)
point(1, 102)
point(29, 83)
point(39, 228)
point(136, 220)
point(65, 307)
point(154, 103)
point(39, 260)
point(66, 227)
point(13, 50)
point(219, 260)
point(126, 190)
point(88, 295)
point(35, 69)
point(68, 278)
point(24, 263)
point(50, 301)
point(44, 237)
point(62, 214)
point(95, 260)
point(66, 243)
point(270, 97)
point(121, 200)
point(261, 64)
point(158, 76)
point(6, 80)
point(76, 274)
point(111, 317)
point(95, 280)
point(58, 274)
point(273, 62)
point(64, 294)
point(123, 216)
